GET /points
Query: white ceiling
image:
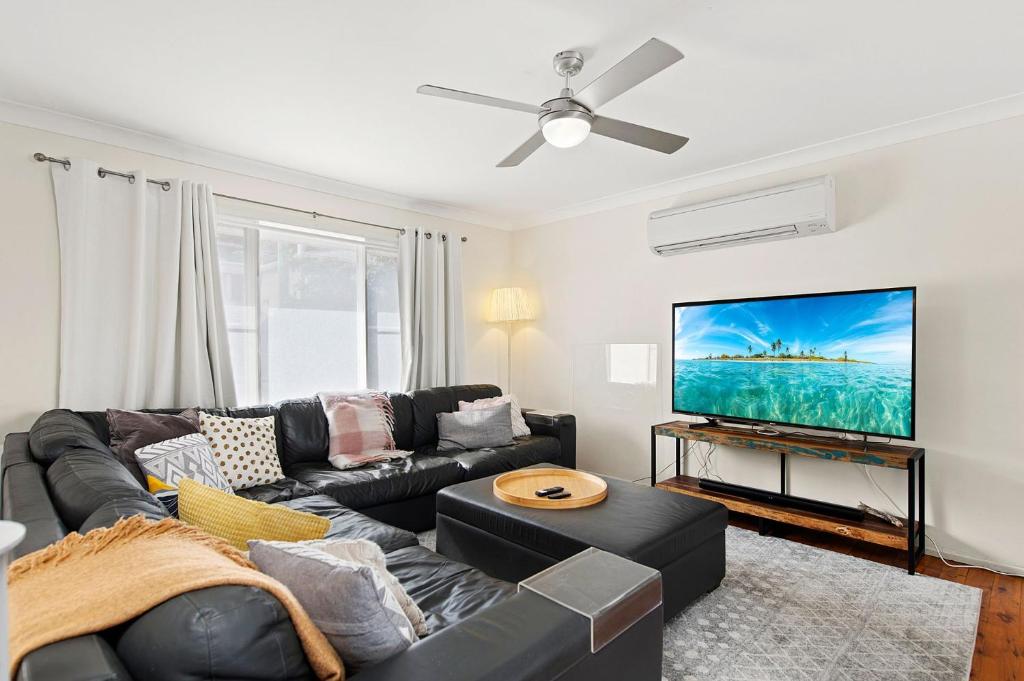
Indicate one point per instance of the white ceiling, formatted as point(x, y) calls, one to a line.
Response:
point(328, 87)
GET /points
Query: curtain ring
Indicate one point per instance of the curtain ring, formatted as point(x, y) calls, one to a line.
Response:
point(166, 185)
point(402, 230)
point(428, 235)
point(444, 237)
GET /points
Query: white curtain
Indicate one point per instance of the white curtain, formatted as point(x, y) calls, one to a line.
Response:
point(430, 299)
point(141, 316)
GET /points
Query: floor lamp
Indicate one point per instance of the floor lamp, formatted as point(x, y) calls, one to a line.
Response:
point(510, 305)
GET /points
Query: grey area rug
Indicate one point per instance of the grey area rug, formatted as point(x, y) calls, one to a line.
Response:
point(786, 611)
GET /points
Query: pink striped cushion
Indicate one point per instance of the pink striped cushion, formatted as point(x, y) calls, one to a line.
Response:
point(359, 428)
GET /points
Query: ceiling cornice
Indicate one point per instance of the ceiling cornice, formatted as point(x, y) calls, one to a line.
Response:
point(104, 133)
point(75, 126)
point(965, 117)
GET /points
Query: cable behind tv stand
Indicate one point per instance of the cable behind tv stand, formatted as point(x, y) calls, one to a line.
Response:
point(780, 506)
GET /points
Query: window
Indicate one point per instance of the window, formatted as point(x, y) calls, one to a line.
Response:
point(307, 310)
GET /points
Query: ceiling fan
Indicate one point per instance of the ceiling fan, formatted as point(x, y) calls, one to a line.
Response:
point(566, 120)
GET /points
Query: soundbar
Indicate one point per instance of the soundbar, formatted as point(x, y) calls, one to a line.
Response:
point(778, 499)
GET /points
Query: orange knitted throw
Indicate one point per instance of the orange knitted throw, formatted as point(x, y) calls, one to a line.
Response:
point(86, 584)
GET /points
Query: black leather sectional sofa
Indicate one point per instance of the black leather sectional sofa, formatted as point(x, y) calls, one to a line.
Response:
point(61, 477)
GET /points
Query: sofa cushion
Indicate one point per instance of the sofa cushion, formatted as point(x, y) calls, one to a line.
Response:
point(165, 463)
point(82, 480)
point(238, 520)
point(401, 404)
point(519, 427)
point(58, 431)
point(284, 489)
point(133, 430)
point(112, 511)
point(364, 552)
point(476, 429)
point(304, 436)
point(446, 591)
point(527, 451)
point(347, 601)
point(245, 449)
point(379, 483)
point(349, 524)
point(429, 402)
point(223, 632)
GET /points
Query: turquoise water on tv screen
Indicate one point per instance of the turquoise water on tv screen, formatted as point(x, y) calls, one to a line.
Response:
point(866, 398)
point(840, 362)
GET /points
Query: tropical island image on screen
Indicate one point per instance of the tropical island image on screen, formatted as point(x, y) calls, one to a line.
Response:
point(839, 361)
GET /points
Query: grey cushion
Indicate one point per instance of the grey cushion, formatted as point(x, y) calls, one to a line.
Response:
point(461, 430)
point(349, 603)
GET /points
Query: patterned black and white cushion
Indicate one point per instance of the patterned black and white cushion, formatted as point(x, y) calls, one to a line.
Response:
point(165, 463)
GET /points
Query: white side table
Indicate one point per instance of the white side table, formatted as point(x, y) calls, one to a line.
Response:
point(11, 535)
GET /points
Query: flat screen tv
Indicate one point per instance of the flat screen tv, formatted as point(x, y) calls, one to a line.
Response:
point(841, 361)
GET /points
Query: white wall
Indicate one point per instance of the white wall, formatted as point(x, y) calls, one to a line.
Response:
point(945, 213)
point(29, 262)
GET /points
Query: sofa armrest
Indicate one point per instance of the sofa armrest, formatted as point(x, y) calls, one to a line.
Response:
point(540, 634)
point(84, 658)
point(25, 498)
point(561, 426)
point(526, 638)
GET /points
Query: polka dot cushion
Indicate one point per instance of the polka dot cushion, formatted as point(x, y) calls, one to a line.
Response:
point(245, 449)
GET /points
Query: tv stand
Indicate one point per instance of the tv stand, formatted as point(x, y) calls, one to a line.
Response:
point(781, 507)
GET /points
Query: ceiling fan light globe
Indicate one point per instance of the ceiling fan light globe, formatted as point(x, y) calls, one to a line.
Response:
point(565, 132)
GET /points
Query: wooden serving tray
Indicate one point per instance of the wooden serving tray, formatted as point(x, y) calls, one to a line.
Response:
point(518, 487)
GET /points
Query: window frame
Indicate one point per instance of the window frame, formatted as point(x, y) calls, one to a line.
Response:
point(253, 231)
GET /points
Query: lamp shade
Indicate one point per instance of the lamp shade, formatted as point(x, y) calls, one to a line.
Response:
point(510, 305)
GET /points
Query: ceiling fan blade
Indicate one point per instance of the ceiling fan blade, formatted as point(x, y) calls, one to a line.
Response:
point(474, 98)
point(665, 142)
point(647, 60)
point(523, 150)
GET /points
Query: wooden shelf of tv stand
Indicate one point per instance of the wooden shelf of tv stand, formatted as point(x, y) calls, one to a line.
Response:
point(831, 449)
point(868, 530)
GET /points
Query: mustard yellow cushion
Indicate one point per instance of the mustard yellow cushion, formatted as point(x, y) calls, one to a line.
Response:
point(157, 485)
point(237, 520)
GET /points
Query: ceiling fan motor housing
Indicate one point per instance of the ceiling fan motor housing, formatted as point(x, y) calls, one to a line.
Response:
point(563, 107)
point(568, 63)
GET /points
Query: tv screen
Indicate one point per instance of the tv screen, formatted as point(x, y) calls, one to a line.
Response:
point(837, 361)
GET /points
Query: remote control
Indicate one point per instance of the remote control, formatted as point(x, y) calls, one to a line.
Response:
point(547, 491)
point(560, 495)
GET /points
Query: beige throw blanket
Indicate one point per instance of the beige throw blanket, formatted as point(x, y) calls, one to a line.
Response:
point(86, 584)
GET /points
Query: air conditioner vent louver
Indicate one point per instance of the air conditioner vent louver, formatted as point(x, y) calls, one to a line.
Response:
point(795, 210)
point(727, 239)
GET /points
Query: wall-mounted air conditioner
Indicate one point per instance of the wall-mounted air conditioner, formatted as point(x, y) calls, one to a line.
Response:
point(800, 209)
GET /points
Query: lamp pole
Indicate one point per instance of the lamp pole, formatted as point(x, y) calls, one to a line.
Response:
point(508, 361)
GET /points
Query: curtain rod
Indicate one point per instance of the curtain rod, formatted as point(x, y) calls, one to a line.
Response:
point(166, 186)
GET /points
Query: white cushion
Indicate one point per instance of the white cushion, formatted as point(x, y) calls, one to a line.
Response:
point(245, 449)
point(519, 427)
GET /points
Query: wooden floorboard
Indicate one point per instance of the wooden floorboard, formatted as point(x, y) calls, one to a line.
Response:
point(999, 649)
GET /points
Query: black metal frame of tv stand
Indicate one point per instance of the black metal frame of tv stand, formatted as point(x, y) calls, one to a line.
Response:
point(815, 447)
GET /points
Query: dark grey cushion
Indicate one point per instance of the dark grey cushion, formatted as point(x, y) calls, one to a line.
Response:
point(132, 430)
point(462, 430)
point(347, 601)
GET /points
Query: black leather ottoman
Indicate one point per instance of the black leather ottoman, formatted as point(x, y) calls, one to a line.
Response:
point(681, 536)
